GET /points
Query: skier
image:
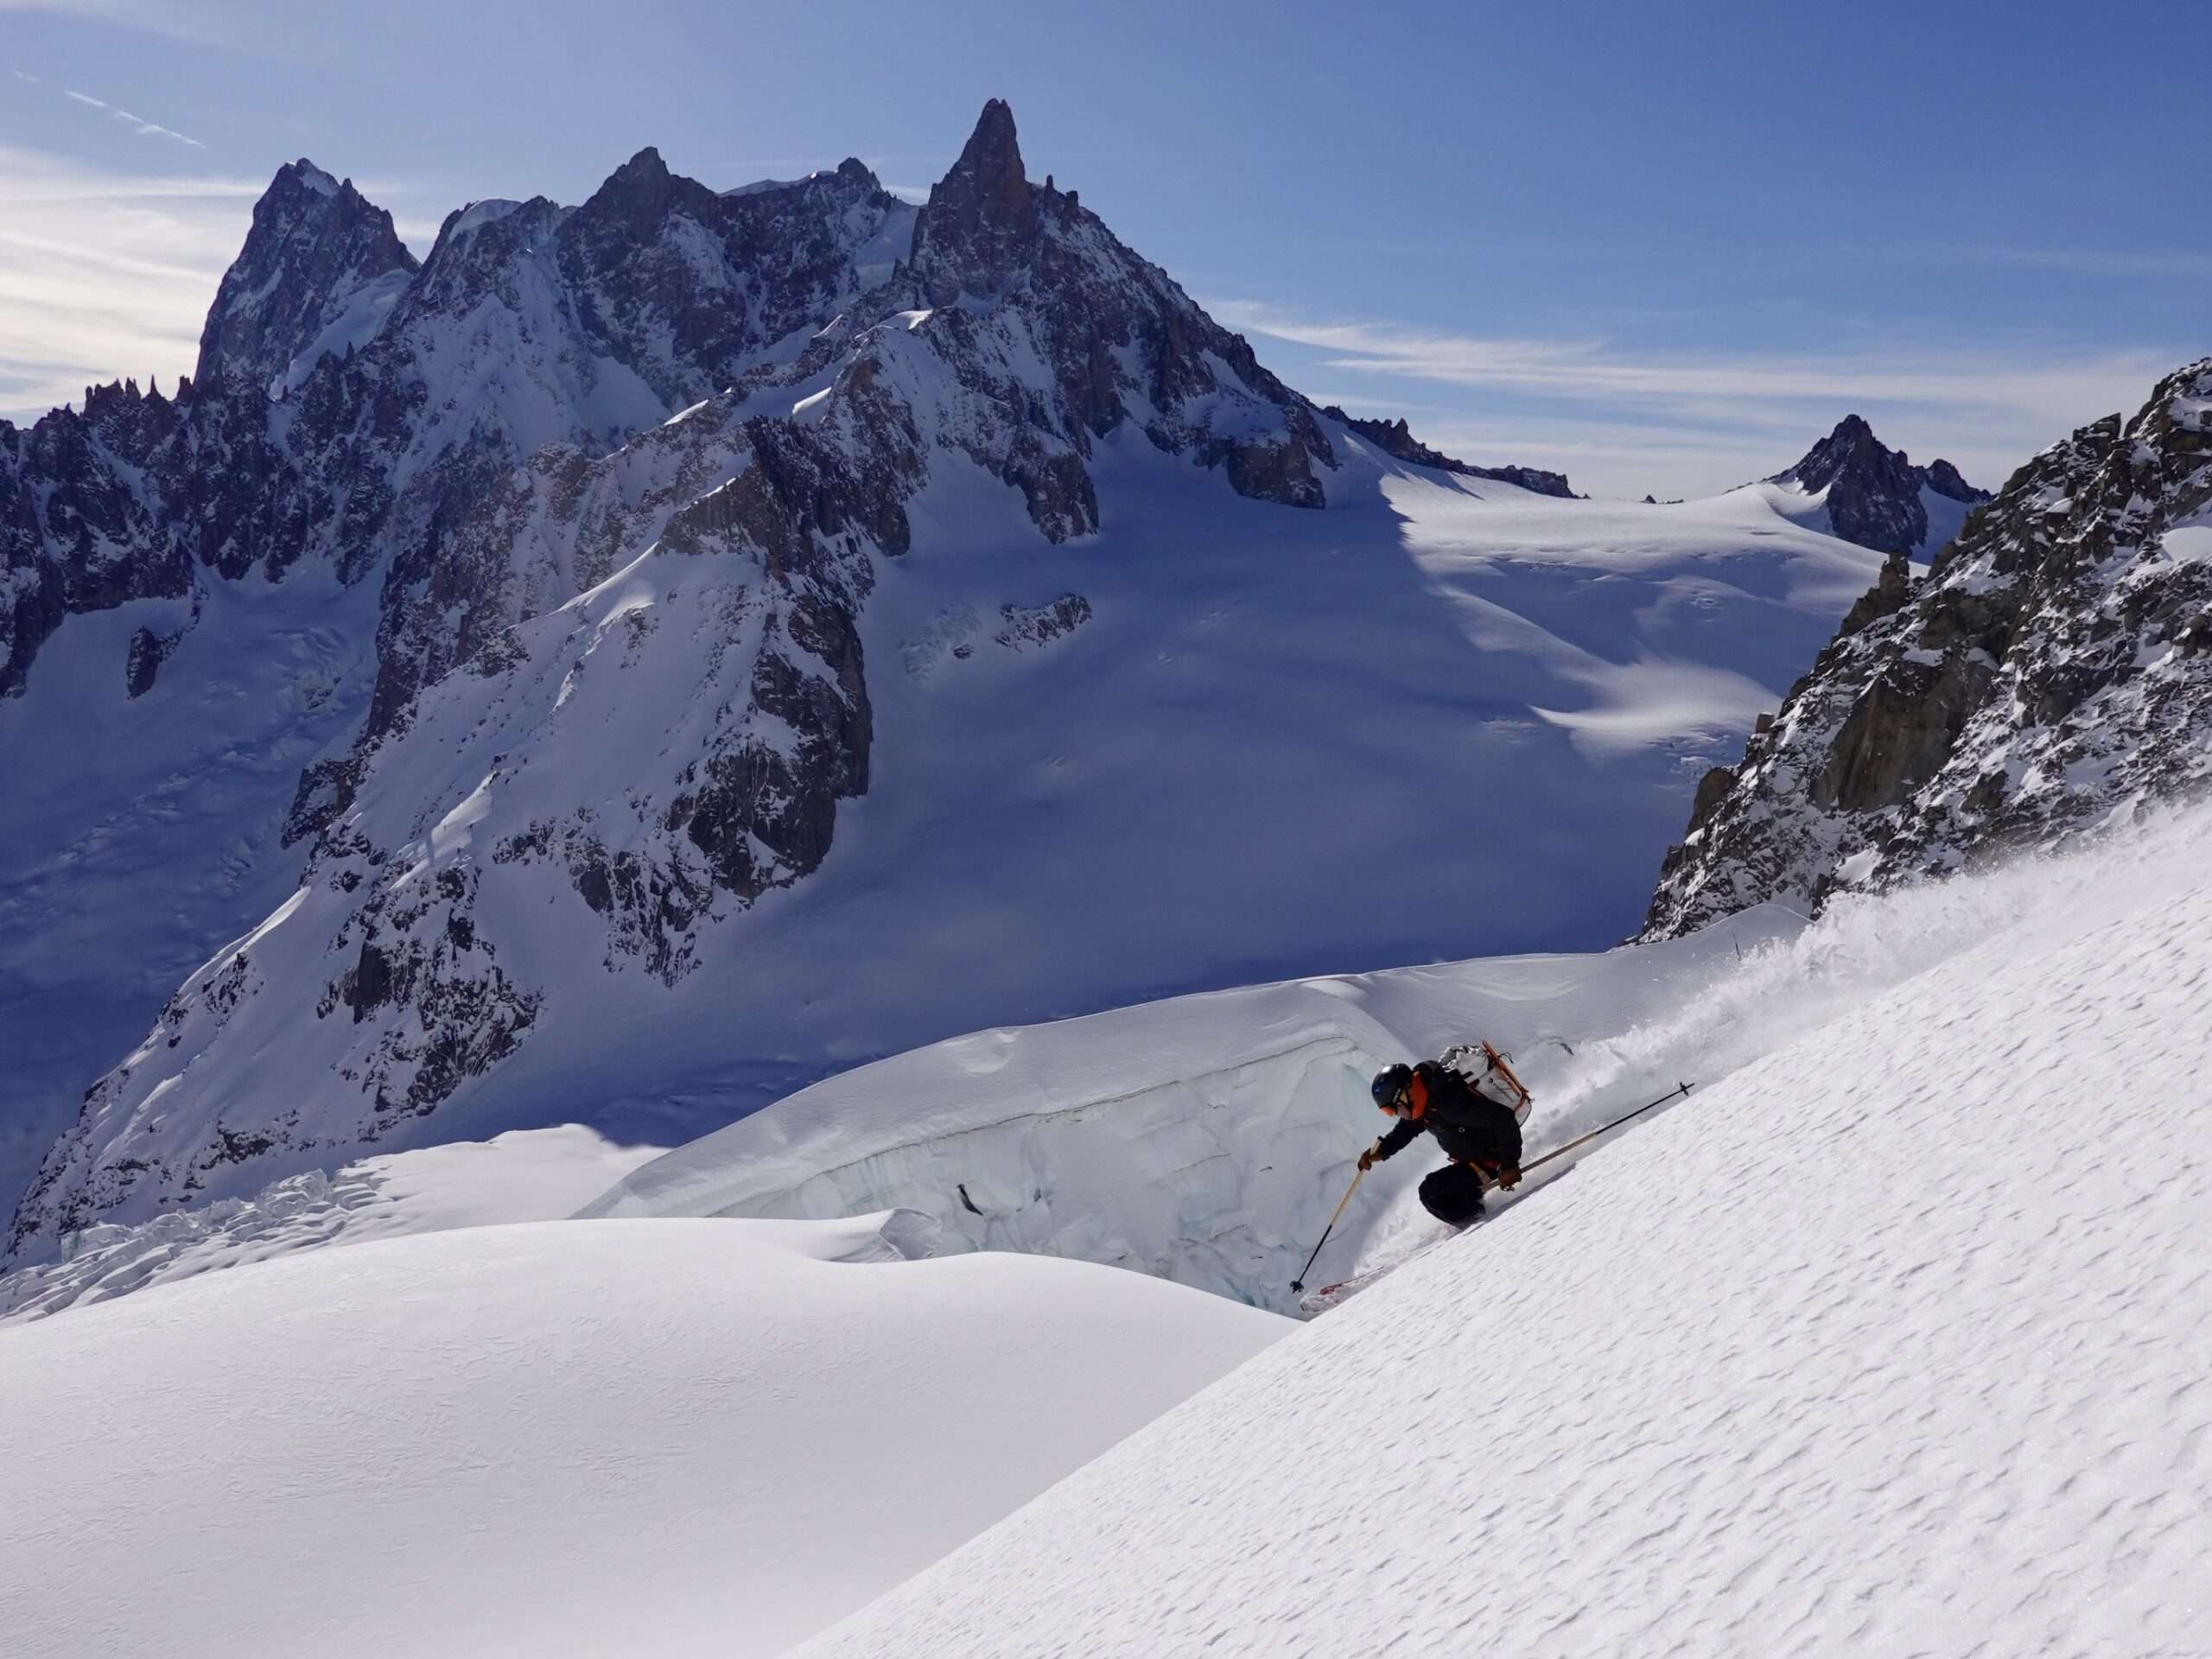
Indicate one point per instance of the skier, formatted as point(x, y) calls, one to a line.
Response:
point(1480, 1136)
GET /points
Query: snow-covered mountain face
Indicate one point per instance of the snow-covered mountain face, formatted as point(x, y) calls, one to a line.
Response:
point(2052, 675)
point(736, 635)
point(1850, 484)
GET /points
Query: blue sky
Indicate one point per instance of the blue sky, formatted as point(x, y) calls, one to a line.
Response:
point(1662, 248)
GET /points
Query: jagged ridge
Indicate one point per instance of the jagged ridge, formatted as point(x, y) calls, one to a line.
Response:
point(1396, 438)
point(1873, 494)
point(2053, 672)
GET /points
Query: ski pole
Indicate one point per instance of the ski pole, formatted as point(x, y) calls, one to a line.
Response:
point(1299, 1283)
point(1679, 1091)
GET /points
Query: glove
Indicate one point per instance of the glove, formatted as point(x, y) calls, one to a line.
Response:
point(1508, 1176)
point(1367, 1161)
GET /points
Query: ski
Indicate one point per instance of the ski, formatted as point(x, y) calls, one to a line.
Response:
point(1326, 1297)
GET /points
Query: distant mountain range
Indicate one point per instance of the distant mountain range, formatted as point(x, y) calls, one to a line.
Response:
point(647, 654)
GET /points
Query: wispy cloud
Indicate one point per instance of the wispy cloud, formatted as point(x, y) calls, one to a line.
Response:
point(1713, 418)
point(33, 79)
point(138, 123)
point(105, 272)
point(2175, 265)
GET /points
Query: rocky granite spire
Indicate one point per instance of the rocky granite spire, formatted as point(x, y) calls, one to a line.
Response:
point(982, 219)
point(314, 246)
point(1873, 492)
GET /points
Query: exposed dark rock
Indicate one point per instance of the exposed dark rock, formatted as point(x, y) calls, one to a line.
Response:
point(1943, 478)
point(1396, 438)
point(1873, 492)
point(326, 790)
point(314, 246)
point(1108, 325)
point(753, 797)
point(2047, 677)
point(144, 659)
point(1888, 594)
point(1039, 625)
point(981, 225)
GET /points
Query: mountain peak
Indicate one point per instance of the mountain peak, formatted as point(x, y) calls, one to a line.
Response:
point(306, 174)
point(982, 215)
point(992, 153)
point(1851, 445)
point(1873, 492)
point(638, 195)
point(314, 242)
point(1944, 479)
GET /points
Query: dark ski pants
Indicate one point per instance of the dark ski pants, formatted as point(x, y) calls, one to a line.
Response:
point(1453, 1194)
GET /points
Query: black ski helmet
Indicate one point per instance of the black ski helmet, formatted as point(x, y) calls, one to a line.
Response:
point(1390, 1085)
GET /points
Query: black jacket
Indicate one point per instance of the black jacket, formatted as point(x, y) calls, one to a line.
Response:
point(1469, 1128)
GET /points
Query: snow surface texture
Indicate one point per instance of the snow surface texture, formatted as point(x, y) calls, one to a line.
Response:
point(1893, 1342)
point(1206, 1138)
point(528, 1175)
point(664, 1437)
point(1209, 1138)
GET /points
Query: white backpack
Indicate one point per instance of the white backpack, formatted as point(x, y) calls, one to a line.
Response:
point(1490, 1074)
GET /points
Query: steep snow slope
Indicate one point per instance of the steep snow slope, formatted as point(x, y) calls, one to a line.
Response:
point(139, 832)
point(1892, 1341)
point(1208, 1138)
point(664, 1438)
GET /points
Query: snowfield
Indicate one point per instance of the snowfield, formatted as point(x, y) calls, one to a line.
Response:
point(1887, 1340)
point(526, 1175)
point(664, 1438)
point(1891, 1342)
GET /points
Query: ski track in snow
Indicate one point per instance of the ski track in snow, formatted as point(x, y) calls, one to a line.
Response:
point(1893, 1342)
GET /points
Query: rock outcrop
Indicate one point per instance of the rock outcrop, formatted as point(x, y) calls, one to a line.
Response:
point(2052, 674)
point(1873, 494)
point(1396, 438)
